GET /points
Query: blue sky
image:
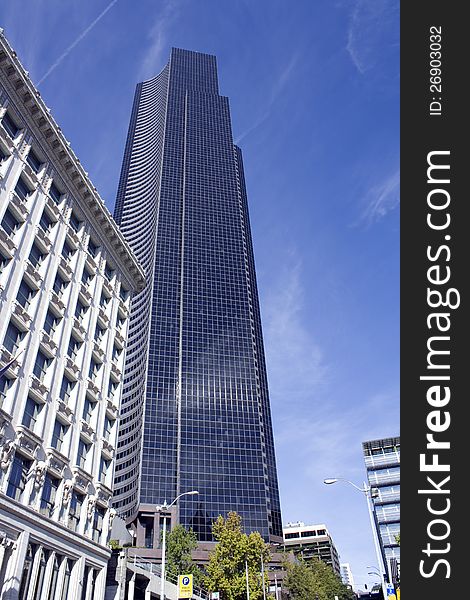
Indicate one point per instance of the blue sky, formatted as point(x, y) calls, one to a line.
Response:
point(314, 95)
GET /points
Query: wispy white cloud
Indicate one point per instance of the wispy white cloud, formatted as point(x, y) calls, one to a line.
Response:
point(277, 89)
point(156, 54)
point(371, 22)
point(84, 33)
point(328, 439)
point(295, 360)
point(381, 199)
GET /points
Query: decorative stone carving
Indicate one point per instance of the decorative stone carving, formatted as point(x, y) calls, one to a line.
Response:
point(7, 453)
point(91, 507)
point(67, 493)
point(112, 514)
point(39, 474)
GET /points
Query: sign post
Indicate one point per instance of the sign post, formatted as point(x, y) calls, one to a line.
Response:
point(185, 586)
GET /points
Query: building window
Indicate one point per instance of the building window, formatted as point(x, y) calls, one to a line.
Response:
point(3, 262)
point(112, 387)
point(116, 352)
point(60, 285)
point(10, 126)
point(73, 347)
point(46, 222)
point(123, 293)
point(104, 300)
point(26, 575)
point(58, 435)
point(92, 248)
point(86, 276)
point(50, 323)
point(98, 519)
point(67, 250)
point(75, 222)
point(9, 223)
point(13, 337)
point(104, 466)
point(19, 472)
point(83, 448)
point(54, 576)
point(36, 256)
point(41, 364)
point(54, 193)
point(76, 503)
point(22, 189)
point(49, 494)
point(108, 427)
point(66, 389)
point(5, 383)
point(88, 407)
point(94, 369)
point(99, 334)
point(25, 295)
point(109, 271)
point(31, 413)
point(80, 310)
point(33, 161)
point(38, 591)
point(67, 573)
point(3, 155)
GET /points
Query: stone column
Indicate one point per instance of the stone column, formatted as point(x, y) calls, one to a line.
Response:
point(76, 579)
point(14, 571)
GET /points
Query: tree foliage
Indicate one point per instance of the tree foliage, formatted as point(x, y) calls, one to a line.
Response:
point(312, 579)
point(226, 571)
point(179, 544)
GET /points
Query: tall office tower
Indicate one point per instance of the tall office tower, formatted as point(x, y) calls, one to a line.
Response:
point(66, 280)
point(196, 370)
point(382, 459)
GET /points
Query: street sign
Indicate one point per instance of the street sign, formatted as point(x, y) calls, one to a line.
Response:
point(391, 592)
point(185, 586)
point(215, 596)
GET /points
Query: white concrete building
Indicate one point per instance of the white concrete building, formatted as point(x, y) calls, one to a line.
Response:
point(309, 541)
point(346, 575)
point(66, 280)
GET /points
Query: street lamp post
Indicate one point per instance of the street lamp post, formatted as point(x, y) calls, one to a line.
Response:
point(160, 508)
point(366, 490)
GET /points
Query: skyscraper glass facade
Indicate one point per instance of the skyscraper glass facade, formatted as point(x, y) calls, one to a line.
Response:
point(382, 459)
point(196, 370)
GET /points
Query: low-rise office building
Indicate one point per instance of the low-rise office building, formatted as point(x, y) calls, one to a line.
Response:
point(309, 541)
point(67, 277)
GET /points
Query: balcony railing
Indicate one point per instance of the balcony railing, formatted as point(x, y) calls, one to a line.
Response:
point(64, 411)
point(32, 275)
point(71, 368)
point(119, 339)
point(52, 209)
point(7, 246)
point(84, 295)
point(64, 269)
point(18, 207)
point(7, 358)
point(38, 389)
point(382, 459)
point(20, 316)
point(56, 304)
point(56, 461)
point(48, 345)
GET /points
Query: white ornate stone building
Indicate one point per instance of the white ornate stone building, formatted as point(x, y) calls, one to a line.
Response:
point(66, 281)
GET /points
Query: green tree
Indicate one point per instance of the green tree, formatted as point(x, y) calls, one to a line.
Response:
point(226, 570)
point(397, 538)
point(179, 544)
point(307, 580)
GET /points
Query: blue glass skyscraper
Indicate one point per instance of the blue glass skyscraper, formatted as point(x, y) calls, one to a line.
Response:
point(195, 374)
